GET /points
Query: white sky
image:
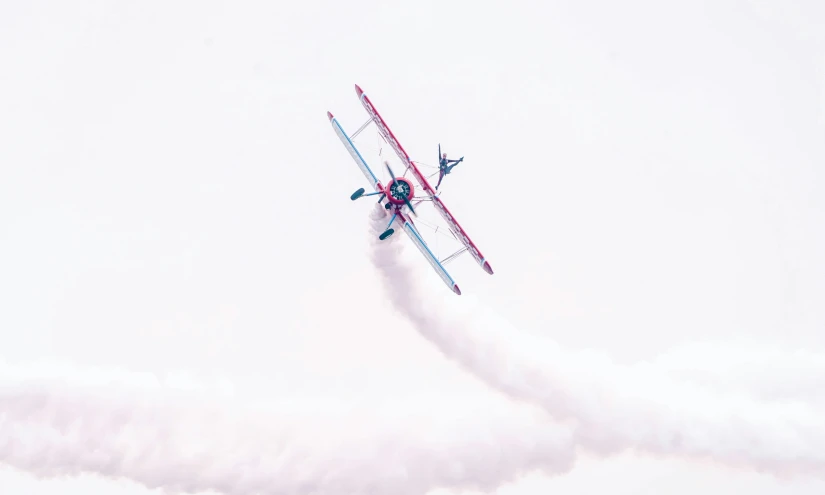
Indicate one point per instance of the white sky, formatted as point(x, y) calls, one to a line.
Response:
point(641, 176)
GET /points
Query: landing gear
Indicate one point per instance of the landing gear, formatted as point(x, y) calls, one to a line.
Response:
point(357, 194)
point(389, 230)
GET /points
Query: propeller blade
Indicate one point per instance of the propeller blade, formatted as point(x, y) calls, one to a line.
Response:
point(412, 210)
point(392, 174)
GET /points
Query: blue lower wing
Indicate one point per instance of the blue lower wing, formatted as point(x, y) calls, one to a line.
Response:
point(416, 238)
point(354, 153)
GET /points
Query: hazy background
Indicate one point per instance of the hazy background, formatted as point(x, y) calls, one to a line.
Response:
point(640, 176)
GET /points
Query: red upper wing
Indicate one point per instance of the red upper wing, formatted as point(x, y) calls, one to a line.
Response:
point(439, 205)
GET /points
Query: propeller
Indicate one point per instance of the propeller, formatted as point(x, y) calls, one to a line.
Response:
point(406, 199)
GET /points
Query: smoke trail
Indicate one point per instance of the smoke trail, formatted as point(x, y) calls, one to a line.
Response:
point(765, 372)
point(613, 408)
point(58, 423)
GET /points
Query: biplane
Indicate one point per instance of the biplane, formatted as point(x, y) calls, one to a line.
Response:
point(398, 193)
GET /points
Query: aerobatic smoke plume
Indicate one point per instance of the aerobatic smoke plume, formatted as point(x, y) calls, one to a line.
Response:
point(668, 407)
point(60, 422)
point(758, 410)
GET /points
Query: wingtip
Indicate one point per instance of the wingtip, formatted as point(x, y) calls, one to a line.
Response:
point(488, 268)
point(359, 91)
point(330, 116)
point(456, 289)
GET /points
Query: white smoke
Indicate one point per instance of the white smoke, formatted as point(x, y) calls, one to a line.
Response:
point(666, 408)
point(766, 372)
point(63, 422)
point(180, 436)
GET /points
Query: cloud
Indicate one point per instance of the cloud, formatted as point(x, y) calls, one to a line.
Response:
point(181, 435)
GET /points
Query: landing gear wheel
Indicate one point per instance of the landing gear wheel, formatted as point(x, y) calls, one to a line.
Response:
point(357, 194)
point(385, 234)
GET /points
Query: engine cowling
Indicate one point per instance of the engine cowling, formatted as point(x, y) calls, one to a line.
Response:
point(399, 188)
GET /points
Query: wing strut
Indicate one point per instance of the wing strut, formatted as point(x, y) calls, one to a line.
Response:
point(356, 133)
point(453, 256)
